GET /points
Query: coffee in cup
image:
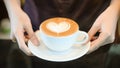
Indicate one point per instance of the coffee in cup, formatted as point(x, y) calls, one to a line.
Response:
point(60, 34)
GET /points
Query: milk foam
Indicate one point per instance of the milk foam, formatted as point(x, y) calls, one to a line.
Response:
point(58, 27)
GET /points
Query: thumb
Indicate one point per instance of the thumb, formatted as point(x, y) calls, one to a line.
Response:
point(32, 37)
point(94, 29)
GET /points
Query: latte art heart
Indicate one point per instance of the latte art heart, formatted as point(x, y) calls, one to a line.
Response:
point(58, 27)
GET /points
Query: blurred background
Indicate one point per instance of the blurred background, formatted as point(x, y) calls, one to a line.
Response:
point(9, 50)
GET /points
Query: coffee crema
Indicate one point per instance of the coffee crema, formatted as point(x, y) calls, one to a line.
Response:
point(59, 27)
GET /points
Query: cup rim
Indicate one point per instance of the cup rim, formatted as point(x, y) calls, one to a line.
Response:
point(62, 36)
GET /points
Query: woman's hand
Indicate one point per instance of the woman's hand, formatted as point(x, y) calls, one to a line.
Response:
point(106, 25)
point(20, 23)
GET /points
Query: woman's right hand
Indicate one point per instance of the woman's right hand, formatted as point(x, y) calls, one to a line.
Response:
point(20, 23)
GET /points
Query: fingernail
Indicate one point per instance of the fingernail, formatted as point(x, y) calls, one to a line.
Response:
point(14, 40)
point(35, 40)
point(29, 53)
point(88, 52)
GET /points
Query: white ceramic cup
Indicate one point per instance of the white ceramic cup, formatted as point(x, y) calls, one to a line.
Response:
point(64, 43)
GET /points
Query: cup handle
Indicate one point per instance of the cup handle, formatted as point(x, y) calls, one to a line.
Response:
point(82, 37)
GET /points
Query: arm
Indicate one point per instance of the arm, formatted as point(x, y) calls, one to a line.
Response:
point(116, 4)
point(12, 6)
point(106, 25)
point(20, 23)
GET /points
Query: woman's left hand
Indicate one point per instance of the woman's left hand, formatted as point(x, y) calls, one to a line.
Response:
point(106, 25)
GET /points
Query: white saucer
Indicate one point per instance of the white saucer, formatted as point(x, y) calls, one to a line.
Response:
point(43, 52)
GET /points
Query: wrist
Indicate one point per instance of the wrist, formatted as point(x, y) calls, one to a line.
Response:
point(12, 6)
point(116, 5)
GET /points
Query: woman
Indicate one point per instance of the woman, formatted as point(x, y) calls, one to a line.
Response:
point(95, 17)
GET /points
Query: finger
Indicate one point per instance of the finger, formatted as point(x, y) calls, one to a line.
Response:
point(32, 35)
point(100, 41)
point(12, 37)
point(20, 38)
point(94, 29)
point(94, 38)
